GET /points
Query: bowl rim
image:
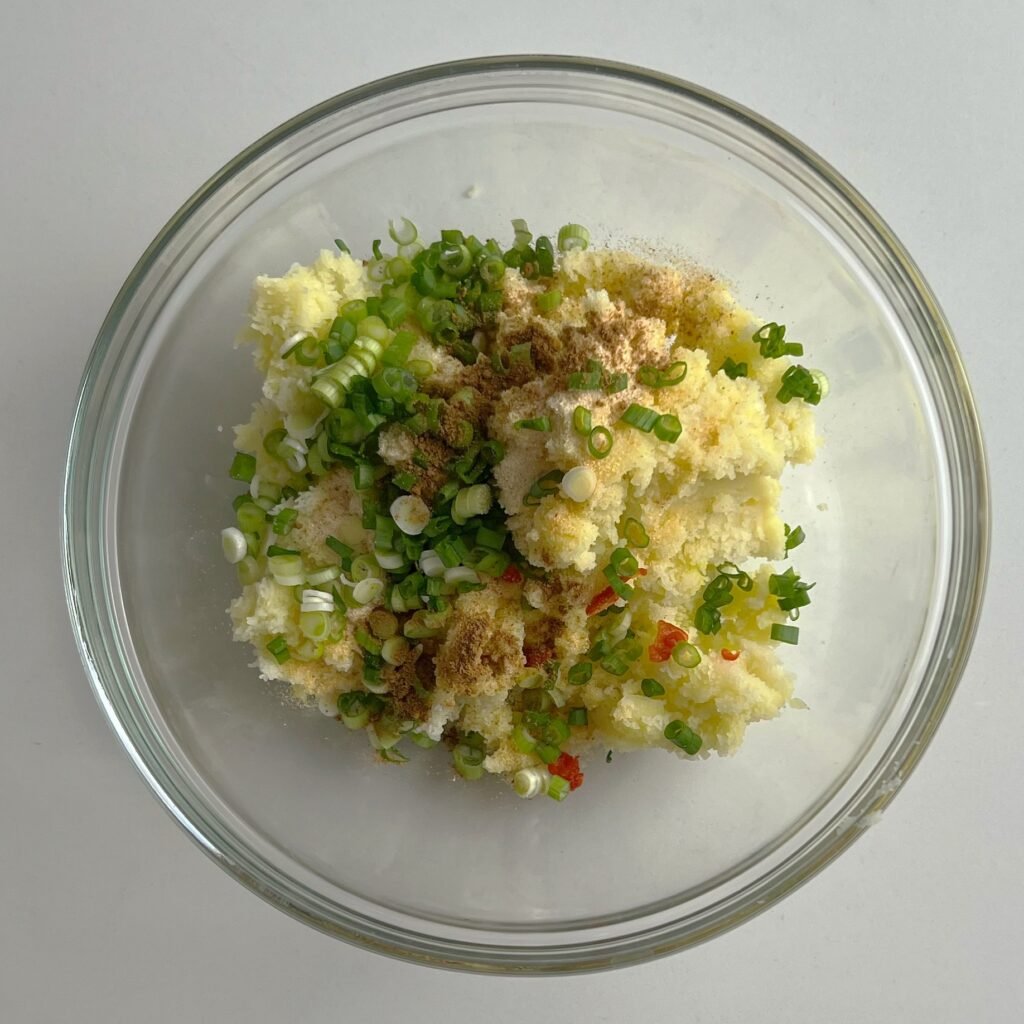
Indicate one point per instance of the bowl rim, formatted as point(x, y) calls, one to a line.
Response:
point(585, 955)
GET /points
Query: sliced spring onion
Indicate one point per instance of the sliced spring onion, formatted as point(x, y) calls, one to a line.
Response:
point(468, 761)
point(785, 634)
point(799, 382)
point(531, 782)
point(243, 467)
point(233, 544)
point(368, 591)
point(581, 421)
point(623, 563)
point(732, 369)
point(315, 625)
point(403, 232)
point(461, 574)
point(771, 339)
point(634, 533)
point(248, 571)
point(708, 620)
point(411, 514)
point(326, 574)
point(278, 647)
point(581, 673)
point(682, 736)
point(652, 688)
point(471, 501)
point(542, 423)
point(558, 788)
point(395, 650)
point(686, 654)
point(600, 442)
point(640, 416)
point(653, 377)
point(795, 536)
point(431, 564)
point(577, 717)
point(549, 301)
point(421, 739)
point(585, 381)
point(573, 236)
point(579, 483)
point(617, 382)
point(667, 428)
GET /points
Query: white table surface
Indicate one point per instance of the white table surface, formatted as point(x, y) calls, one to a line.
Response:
point(111, 113)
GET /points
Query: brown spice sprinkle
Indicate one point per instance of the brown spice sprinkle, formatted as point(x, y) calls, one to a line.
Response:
point(431, 478)
point(477, 655)
point(406, 700)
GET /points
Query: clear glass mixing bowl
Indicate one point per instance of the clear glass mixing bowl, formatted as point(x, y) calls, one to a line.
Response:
point(652, 855)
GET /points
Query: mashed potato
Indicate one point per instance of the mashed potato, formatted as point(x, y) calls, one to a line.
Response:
point(519, 653)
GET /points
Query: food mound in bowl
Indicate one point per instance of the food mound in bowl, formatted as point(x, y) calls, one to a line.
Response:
point(500, 498)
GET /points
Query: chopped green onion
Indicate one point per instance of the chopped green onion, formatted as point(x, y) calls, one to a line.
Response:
point(494, 563)
point(799, 382)
point(354, 311)
point(652, 377)
point(581, 421)
point(521, 355)
point(588, 381)
point(545, 256)
point(278, 647)
point(624, 563)
point(621, 589)
point(343, 551)
point(531, 782)
point(541, 423)
point(522, 739)
point(686, 655)
point(600, 442)
point(491, 269)
point(634, 533)
point(641, 417)
point(652, 688)
point(493, 540)
point(243, 467)
point(471, 501)
point(668, 428)
point(577, 716)
point(708, 620)
point(548, 753)
point(549, 301)
point(249, 571)
point(341, 245)
point(573, 236)
point(468, 761)
point(682, 736)
point(233, 544)
point(421, 739)
point(275, 550)
point(579, 484)
point(558, 788)
point(405, 481)
point(283, 522)
point(251, 518)
point(581, 673)
point(771, 341)
point(785, 634)
point(732, 370)
point(617, 382)
point(455, 260)
point(402, 232)
point(354, 709)
point(794, 537)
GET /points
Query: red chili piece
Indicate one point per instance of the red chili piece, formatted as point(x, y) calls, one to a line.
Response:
point(568, 767)
point(730, 655)
point(665, 641)
point(512, 575)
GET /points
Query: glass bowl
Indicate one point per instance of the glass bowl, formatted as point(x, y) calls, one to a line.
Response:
point(653, 854)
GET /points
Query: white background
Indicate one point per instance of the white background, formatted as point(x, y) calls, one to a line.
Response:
point(110, 115)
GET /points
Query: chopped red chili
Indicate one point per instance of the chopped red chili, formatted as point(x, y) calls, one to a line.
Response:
point(665, 641)
point(730, 655)
point(568, 767)
point(512, 575)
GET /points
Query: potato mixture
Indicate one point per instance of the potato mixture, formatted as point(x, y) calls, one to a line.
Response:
point(523, 502)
